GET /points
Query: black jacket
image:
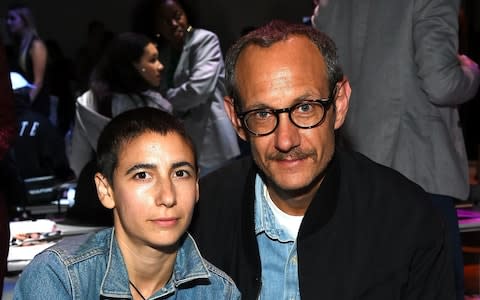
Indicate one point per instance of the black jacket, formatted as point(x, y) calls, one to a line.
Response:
point(370, 233)
point(39, 149)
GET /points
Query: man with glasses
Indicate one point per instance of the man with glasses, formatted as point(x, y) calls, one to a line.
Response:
point(302, 218)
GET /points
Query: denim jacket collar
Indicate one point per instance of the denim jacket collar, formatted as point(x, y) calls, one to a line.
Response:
point(189, 265)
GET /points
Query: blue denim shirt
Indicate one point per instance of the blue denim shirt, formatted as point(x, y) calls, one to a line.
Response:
point(92, 267)
point(278, 252)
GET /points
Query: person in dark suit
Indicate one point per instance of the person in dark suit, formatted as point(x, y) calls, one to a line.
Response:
point(39, 149)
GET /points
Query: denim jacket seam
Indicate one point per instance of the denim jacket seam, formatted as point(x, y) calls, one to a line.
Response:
point(69, 259)
point(219, 273)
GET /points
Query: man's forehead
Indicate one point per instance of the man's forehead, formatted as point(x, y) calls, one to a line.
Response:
point(298, 41)
point(295, 59)
point(287, 52)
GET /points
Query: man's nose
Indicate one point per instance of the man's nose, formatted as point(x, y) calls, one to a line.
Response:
point(287, 135)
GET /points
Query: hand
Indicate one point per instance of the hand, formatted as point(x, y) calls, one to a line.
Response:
point(465, 61)
point(469, 67)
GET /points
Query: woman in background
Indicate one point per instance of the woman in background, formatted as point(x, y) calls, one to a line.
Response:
point(30, 55)
point(124, 79)
point(194, 78)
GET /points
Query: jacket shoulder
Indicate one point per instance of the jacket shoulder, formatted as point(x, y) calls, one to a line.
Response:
point(202, 37)
point(205, 33)
point(385, 194)
point(358, 168)
point(78, 248)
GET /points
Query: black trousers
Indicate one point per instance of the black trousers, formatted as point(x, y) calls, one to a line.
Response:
point(446, 206)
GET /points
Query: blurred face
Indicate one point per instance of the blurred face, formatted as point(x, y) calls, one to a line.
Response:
point(15, 23)
point(149, 66)
point(154, 191)
point(293, 159)
point(172, 22)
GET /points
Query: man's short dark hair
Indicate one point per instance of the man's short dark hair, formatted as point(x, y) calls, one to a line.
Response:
point(274, 32)
point(129, 125)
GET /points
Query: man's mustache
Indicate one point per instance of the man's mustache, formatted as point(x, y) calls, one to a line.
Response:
point(293, 154)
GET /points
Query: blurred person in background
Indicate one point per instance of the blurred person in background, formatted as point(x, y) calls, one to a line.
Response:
point(408, 78)
point(194, 78)
point(125, 78)
point(29, 55)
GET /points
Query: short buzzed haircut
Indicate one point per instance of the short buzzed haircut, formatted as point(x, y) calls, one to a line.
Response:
point(129, 125)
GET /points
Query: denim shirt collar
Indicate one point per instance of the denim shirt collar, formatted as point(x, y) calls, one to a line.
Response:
point(189, 265)
point(264, 218)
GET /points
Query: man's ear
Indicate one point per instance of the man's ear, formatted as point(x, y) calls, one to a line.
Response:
point(237, 124)
point(342, 102)
point(104, 191)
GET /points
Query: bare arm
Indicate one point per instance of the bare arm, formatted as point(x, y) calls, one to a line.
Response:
point(39, 62)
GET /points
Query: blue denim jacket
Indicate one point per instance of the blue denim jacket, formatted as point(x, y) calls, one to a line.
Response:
point(92, 267)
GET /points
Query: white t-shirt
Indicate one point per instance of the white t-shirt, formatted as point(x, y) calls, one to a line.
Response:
point(291, 224)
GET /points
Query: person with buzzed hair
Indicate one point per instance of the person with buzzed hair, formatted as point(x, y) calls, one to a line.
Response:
point(148, 176)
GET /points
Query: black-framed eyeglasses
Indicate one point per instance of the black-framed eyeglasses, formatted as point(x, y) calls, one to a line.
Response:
point(306, 114)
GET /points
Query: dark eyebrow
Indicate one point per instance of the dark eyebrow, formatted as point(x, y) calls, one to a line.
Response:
point(153, 166)
point(140, 166)
point(182, 164)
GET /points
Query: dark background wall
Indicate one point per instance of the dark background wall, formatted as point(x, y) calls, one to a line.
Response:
point(66, 21)
point(228, 18)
